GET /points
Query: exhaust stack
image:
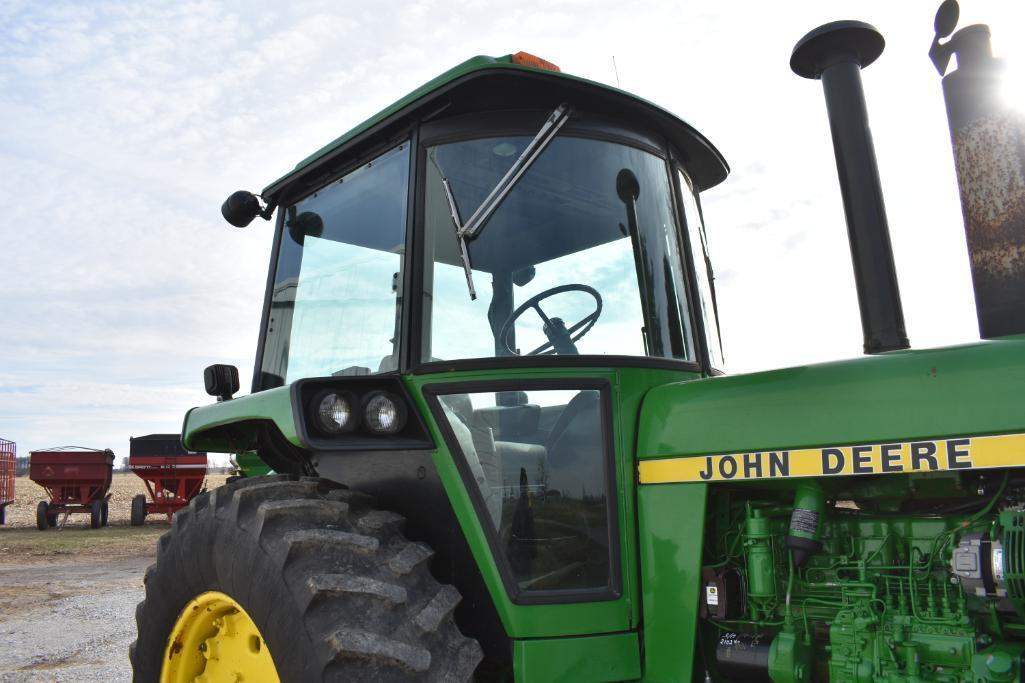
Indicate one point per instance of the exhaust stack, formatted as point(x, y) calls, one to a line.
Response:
point(836, 53)
point(989, 154)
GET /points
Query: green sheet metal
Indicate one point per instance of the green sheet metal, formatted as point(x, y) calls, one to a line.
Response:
point(971, 389)
point(673, 519)
point(553, 620)
point(612, 657)
point(476, 65)
point(206, 428)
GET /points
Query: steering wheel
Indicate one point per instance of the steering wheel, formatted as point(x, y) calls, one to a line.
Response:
point(560, 338)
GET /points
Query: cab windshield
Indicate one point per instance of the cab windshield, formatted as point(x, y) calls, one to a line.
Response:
point(580, 258)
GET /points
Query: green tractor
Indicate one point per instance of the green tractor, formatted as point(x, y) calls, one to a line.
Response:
point(489, 437)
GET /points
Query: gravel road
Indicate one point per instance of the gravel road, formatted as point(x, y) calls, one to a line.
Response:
point(64, 621)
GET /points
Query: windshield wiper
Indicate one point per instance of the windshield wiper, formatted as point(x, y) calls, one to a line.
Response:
point(472, 227)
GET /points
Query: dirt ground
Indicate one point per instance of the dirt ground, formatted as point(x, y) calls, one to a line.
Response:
point(68, 595)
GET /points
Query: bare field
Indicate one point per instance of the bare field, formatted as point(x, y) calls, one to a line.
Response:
point(22, 513)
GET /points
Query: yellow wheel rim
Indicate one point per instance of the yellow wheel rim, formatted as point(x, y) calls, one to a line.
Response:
point(216, 641)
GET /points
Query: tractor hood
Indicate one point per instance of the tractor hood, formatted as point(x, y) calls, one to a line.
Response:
point(976, 389)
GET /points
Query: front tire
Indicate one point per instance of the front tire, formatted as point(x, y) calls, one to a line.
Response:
point(335, 590)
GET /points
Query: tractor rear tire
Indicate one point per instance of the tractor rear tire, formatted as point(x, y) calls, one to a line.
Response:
point(43, 515)
point(96, 514)
point(334, 588)
point(139, 510)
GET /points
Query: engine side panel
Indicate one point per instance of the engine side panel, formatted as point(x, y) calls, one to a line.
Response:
point(901, 396)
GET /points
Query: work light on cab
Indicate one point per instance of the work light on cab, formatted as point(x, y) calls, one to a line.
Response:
point(336, 412)
point(384, 413)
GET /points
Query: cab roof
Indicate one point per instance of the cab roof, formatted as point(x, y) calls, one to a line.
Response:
point(469, 83)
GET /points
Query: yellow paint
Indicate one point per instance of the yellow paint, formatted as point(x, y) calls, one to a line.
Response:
point(215, 640)
point(954, 453)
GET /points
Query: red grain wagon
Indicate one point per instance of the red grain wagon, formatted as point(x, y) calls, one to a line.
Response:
point(76, 480)
point(173, 475)
point(8, 455)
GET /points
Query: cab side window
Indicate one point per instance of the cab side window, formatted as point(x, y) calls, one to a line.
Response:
point(539, 468)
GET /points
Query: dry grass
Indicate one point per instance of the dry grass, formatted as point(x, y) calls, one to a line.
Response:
point(78, 543)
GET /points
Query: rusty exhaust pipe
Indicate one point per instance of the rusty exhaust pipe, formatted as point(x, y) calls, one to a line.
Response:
point(836, 53)
point(989, 155)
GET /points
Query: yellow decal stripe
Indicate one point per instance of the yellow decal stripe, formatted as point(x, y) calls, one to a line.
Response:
point(955, 453)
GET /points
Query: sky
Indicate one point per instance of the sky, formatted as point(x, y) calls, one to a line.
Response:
point(126, 124)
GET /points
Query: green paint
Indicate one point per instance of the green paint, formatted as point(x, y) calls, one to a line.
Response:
point(251, 465)
point(879, 601)
point(672, 520)
point(475, 65)
point(220, 427)
point(544, 621)
point(972, 389)
point(790, 657)
point(761, 565)
point(613, 657)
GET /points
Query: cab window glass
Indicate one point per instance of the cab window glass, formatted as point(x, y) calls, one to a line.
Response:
point(335, 305)
point(582, 250)
point(702, 271)
point(538, 463)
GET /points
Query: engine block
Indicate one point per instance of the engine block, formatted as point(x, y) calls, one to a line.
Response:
point(915, 578)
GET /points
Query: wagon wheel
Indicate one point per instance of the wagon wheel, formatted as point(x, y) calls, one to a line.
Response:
point(3, 515)
point(139, 510)
point(43, 516)
point(106, 512)
point(305, 581)
point(96, 514)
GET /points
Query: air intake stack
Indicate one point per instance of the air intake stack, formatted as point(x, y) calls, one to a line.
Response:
point(989, 154)
point(835, 54)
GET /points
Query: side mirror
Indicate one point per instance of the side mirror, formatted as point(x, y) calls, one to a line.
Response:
point(221, 381)
point(242, 207)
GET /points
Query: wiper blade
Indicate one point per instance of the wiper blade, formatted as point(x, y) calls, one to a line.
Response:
point(544, 136)
point(464, 254)
point(472, 227)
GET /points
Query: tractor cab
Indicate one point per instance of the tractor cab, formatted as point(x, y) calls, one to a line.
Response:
point(501, 237)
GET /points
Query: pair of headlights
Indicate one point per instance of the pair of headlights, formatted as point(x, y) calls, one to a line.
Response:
point(342, 412)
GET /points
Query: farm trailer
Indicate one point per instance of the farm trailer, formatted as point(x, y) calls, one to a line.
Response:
point(8, 460)
point(76, 480)
point(489, 377)
point(172, 474)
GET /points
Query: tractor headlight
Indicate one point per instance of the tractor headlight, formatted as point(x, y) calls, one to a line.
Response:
point(335, 412)
point(383, 413)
